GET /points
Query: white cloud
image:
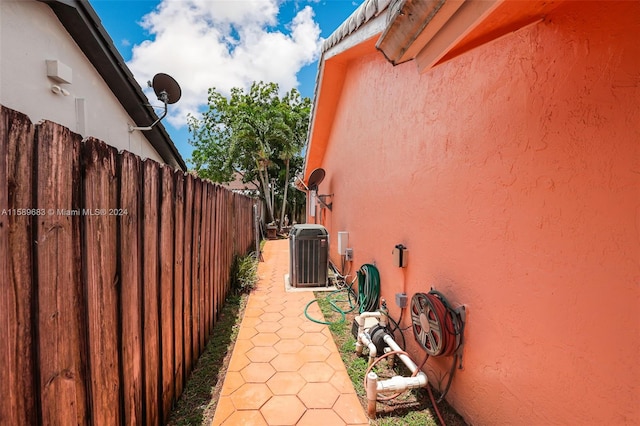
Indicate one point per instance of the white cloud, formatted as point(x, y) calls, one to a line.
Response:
point(223, 44)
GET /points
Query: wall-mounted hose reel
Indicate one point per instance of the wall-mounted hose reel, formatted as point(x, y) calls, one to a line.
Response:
point(438, 328)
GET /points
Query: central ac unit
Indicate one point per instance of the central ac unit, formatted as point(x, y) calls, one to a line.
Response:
point(309, 256)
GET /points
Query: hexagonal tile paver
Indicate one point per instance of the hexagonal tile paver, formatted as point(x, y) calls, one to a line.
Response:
point(224, 409)
point(251, 396)
point(265, 339)
point(349, 409)
point(253, 312)
point(271, 316)
point(261, 354)
point(232, 381)
point(289, 332)
point(287, 362)
point(342, 382)
point(268, 327)
point(257, 372)
point(242, 346)
point(312, 338)
point(314, 353)
point(310, 326)
point(314, 372)
point(289, 322)
point(320, 417)
point(246, 333)
point(283, 410)
point(318, 395)
point(292, 311)
point(288, 346)
point(238, 362)
point(250, 322)
point(274, 307)
point(286, 383)
point(253, 418)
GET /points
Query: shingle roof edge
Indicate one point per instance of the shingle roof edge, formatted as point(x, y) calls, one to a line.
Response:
point(368, 10)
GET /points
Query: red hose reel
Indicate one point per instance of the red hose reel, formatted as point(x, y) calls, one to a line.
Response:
point(436, 326)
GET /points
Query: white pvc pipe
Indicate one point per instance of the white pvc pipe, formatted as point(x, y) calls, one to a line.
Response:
point(360, 320)
point(401, 384)
point(373, 351)
point(405, 359)
point(372, 394)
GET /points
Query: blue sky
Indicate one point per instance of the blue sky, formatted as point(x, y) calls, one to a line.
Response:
point(222, 44)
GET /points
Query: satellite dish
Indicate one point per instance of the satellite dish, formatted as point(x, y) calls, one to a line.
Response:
point(166, 88)
point(317, 176)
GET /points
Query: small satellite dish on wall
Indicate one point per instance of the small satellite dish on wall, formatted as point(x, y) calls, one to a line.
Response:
point(316, 177)
point(167, 90)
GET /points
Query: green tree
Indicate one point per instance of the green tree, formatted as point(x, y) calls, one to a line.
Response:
point(257, 134)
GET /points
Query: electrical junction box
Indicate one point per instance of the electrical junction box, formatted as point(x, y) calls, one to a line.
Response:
point(401, 300)
point(400, 256)
point(348, 254)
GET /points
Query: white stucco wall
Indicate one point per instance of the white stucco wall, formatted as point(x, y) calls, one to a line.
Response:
point(30, 34)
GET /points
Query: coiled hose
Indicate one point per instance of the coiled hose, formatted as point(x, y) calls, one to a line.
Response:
point(368, 288)
point(367, 300)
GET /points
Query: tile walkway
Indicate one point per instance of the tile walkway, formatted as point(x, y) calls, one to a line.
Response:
point(285, 369)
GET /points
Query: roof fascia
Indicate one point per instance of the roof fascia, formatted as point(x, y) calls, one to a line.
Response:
point(433, 31)
point(470, 15)
point(83, 24)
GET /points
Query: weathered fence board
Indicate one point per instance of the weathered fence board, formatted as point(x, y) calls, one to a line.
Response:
point(99, 248)
point(211, 195)
point(166, 289)
point(8, 414)
point(61, 317)
point(150, 293)
point(188, 265)
point(178, 283)
point(195, 271)
point(131, 289)
point(17, 350)
point(113, 275)
point(202, 273)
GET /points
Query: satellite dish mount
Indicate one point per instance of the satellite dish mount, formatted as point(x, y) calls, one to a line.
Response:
point(167, 90)
point(316, 177)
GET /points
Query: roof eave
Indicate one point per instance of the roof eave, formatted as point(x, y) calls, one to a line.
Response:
point(433, 31)
point(83, 24)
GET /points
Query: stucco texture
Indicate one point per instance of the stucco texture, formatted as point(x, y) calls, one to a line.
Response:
point(512, 174)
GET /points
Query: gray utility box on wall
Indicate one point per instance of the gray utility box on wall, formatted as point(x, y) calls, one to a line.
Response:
point(309, 256)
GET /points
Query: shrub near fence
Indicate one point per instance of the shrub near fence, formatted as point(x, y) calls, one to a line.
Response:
point(113, 271)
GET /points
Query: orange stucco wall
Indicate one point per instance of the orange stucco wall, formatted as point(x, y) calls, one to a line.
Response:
point(512, 174)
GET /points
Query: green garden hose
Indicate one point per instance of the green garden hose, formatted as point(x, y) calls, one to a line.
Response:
point(368, 295)
point(333, 302)
point(368, 288)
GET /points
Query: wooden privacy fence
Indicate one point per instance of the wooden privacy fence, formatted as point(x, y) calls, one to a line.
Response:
point(113, 273)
